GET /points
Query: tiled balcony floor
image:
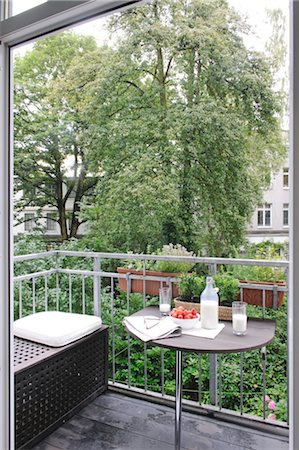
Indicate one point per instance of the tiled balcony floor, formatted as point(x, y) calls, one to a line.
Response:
point(116, 422)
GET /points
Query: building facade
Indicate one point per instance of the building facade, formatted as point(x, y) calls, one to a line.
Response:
point(271, 219)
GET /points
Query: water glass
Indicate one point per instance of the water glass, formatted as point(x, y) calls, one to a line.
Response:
point(164, 300)
point(239, 318)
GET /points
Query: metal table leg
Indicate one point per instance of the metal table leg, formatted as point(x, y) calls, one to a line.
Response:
point(178, 399)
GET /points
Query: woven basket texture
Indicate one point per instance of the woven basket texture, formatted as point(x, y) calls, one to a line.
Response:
point(225, 312)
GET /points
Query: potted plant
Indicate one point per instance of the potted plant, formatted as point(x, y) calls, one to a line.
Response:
point(160, 268)
point(261, 275)
point(191, 287)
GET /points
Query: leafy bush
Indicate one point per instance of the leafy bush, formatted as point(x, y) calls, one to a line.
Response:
point(164, 266)
point(228, 287)
point(190, 287)
point(265, 250)
point(174, 266)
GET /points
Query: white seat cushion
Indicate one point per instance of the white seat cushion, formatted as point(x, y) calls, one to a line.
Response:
point(55, 328)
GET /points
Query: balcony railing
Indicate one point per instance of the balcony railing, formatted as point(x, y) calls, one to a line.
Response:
point(82, 282)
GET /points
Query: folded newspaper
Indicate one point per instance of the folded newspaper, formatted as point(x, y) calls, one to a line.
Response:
point(148, 328)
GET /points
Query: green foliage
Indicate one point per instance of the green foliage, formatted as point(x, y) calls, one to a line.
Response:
point(228, 287)
point(48, 131)
point(116, 305)
point(164, 266)
point(182, 124)
point(266, 250)
point(190, 287)
point(174, 266)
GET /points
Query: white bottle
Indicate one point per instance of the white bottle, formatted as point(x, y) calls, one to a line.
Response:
point(209, 306)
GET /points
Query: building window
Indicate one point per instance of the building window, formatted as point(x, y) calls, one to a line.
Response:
point(29, 221)
point(51, 222)
point(285, 212)
point(264, 215)
point(285, 177)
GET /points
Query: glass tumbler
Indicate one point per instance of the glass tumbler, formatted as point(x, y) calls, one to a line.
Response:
point(239, 318)
point(164, 301)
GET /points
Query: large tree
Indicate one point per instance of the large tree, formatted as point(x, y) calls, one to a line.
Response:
point(50, 163)
point(184, 129)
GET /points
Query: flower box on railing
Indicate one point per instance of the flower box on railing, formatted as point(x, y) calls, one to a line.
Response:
point(149, 287)
point(255, 296)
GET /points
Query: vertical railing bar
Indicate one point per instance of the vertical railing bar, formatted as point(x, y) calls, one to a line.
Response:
point(144, 283)
point(113, 330)
point(162, 372)
point(57, 291)
point(220, 382)
point(33, 295)
point(129, 338)
point(170, 284)
point(20, 300)
point(144, 345)
point(264, 302)
point(46, 292)
point(263, 351)
point(145, 366)
point(213, 379)
point(241, 294)
point(275, 297)
point(241, 383)
point(83, 294)
point(70, 293)
point(96, 287)
point(199, 380)
point(100, 289)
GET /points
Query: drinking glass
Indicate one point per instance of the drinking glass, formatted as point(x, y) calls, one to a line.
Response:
point(164, 301)
point(239, 318)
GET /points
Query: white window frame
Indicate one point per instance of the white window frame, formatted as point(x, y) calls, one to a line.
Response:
point(46, 18)
point(286, 208)
point(293, 306)
point(286, 173)
point(264, 208)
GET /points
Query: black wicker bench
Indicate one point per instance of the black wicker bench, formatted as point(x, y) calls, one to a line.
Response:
point(52, 384)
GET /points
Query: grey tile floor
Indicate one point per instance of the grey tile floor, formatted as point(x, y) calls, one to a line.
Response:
point(116, 422)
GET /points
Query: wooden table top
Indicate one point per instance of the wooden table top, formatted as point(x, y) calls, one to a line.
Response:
point(260, 332)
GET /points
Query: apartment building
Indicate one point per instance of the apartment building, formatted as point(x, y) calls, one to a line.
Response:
point(270, 220)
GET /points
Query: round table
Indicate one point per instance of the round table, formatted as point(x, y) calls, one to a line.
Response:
point(260, 332)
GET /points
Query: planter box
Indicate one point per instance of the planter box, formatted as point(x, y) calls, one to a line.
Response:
point(224, 312)
point(255, 296)
point(151, 286)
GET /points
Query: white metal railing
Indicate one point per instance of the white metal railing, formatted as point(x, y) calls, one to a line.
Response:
point(51, 287)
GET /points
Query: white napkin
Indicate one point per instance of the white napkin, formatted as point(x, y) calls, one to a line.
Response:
point(203, 333)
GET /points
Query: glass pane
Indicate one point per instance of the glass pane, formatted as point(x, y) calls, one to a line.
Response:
point(286, 217)
point(260, 218)
point(19, 6)
point(268, 218)
point(285, 180)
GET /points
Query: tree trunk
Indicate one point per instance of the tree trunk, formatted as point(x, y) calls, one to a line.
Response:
point(61, 211)
point(77, 202)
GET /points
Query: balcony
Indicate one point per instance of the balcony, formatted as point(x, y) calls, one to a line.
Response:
point(137, 411)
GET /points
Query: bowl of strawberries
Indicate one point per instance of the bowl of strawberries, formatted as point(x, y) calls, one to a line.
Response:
point(185, 318)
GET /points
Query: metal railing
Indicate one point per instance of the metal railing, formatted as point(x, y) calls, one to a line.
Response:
point(86, 288)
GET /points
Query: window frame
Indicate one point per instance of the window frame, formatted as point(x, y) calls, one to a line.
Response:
point(264, 209)
point(285, 209)
point(286, 173)
point(44, 19)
